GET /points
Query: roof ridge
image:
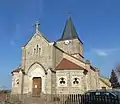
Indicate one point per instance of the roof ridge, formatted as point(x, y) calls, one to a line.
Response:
point(39, 34)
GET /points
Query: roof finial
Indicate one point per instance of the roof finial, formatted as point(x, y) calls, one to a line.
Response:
point(37, 26)
point(69, 15)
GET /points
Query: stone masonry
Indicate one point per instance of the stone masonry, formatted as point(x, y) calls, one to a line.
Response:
point(55, 67)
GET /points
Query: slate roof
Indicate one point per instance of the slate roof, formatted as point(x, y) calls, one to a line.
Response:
point(69, 31)
point(93, 68)
point(16, 70)
point(66, 64)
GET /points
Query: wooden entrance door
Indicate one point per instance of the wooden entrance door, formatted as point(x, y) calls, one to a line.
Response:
point(104, 88)
point(37, 86)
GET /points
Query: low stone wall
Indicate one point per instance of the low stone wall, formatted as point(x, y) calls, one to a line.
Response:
point(44, 99)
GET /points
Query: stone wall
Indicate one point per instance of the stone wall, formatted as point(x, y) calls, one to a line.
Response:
point(15, 83)
point(53, 83)
point(74, 47)
point(69, 87)
point(92, 78)
point(57, 56)
point(48, 82)
point(37, 50)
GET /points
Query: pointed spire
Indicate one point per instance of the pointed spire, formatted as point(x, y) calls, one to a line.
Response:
point(69, 30)
point(69, 15)
point(37, 26)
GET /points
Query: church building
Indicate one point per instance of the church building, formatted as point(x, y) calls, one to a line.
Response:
point(56, 67)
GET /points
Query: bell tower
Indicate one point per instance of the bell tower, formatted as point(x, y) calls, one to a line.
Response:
point(70, 41)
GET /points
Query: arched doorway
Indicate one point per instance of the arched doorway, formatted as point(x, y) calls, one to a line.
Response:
point(37, 86)
point(36, 77)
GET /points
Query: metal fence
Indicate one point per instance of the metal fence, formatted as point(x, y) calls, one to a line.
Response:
point(59, 99)
point(80, 99)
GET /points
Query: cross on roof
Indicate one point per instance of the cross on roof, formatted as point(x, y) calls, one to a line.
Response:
point(37, 26)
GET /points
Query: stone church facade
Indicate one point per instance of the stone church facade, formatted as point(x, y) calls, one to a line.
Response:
point(55, 67)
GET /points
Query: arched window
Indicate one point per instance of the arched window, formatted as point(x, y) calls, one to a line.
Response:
point(34, 51)
point(37, 48)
